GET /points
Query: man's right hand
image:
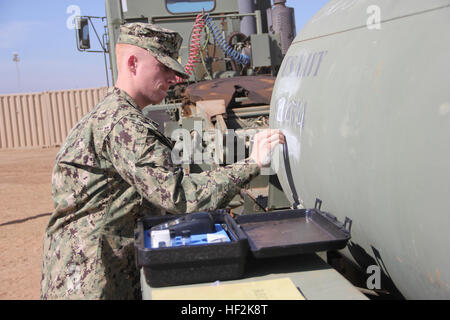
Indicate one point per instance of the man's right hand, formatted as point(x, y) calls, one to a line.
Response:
point(264, 142)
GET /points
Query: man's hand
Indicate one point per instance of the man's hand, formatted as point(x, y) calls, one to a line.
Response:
point(264, 142)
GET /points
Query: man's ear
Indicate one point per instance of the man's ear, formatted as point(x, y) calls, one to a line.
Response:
point(132, 64)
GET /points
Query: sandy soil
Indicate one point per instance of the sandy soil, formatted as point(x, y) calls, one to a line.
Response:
point(25, 207)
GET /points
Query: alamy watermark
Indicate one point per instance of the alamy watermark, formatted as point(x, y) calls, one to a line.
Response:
point(374, 20)
point(199, 146)
point(374, 280)
point(72, 21)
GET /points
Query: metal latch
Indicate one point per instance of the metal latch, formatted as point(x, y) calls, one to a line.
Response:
point(347, 226)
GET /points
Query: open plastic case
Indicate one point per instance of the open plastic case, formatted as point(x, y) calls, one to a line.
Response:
point(273, 234)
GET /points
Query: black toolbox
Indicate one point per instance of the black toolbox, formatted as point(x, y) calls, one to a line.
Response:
point(263, 235)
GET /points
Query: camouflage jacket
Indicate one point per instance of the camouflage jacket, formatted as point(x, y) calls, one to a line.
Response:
point(114, 168)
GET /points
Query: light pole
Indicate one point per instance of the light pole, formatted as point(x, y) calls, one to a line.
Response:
point(16, 59)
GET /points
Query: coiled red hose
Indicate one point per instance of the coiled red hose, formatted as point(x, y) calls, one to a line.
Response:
point(194, 49)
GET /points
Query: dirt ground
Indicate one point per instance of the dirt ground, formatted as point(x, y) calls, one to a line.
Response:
point(25, 207)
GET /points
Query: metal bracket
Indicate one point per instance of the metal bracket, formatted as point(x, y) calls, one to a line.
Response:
point(318, 204)
point(349, 222)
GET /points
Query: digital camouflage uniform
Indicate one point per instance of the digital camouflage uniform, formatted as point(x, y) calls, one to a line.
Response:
point(114, 168)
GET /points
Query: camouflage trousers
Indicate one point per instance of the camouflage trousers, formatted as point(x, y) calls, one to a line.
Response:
point(112, 276)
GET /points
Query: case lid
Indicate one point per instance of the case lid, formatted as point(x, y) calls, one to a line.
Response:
point(290, 232)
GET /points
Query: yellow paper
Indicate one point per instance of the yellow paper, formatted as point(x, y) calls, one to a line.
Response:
point(276, 289)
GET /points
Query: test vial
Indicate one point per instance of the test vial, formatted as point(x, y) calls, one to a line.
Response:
point(185, 237)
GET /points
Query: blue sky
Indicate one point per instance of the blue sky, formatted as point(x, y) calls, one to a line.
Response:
point(49, 60)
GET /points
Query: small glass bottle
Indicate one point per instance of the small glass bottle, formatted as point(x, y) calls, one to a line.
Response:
point(185, 237)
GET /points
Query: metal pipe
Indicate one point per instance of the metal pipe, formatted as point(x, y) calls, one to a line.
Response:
point(282, 23)
point(212, 15)
point(258, 22)
point(248, 114)
point(248, 22)
point(247, 109)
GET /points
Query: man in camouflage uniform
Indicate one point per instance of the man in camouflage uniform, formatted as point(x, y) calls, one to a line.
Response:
point(116, 167)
